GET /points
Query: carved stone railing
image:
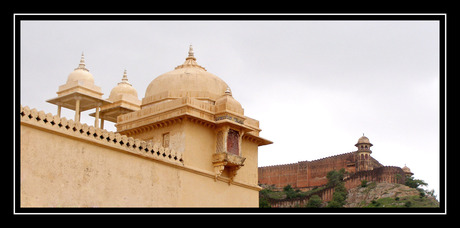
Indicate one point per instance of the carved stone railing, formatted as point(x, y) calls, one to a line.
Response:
point(97, 135)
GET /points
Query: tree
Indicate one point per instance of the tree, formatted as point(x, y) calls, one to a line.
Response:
point(314, 202)
point(335, 178)
point(288, 188)
point(290, 192)
point(263, 203)
point(414, 183)
point(339, 197)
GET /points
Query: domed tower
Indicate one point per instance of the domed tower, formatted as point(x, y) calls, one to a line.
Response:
point(123, 98)
point(407, 171)
point(193, 112)
point(79, 93)
point(363, 154)
point(124, 91)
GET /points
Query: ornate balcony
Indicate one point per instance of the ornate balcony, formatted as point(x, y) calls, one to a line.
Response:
point(225, 160)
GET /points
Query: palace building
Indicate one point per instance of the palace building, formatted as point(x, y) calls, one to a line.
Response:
point(186, 143)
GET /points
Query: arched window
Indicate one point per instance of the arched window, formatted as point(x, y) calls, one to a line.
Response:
point(366, 156)
point(362, 156)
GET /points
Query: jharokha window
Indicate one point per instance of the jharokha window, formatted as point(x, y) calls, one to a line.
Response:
point(232, 142)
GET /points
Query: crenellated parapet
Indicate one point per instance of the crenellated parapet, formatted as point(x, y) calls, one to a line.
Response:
point(56, 124)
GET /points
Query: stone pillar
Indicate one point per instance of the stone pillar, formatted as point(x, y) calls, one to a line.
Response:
point(96, 120)
point(59, 111)
point(77, 110)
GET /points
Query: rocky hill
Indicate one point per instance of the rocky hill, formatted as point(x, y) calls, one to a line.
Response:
point(370, 195)
point(388, 195)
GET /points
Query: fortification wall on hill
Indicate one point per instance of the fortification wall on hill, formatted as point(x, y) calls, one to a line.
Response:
point(387, 174)
point(308, 174)
point(279, 175)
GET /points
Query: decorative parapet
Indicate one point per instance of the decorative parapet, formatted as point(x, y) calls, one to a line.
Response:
point(98, 135)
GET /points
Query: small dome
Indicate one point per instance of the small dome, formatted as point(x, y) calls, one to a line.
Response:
point(188, 79)
point(81, 73)
point(406, 169)
point(228, 103)
point(363, 139)
point(123, 88)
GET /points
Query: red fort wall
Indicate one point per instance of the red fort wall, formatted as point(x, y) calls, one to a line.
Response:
point(308, 174)
point(388, 174)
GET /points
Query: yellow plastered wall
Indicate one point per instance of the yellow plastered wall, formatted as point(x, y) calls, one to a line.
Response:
point(60, 169)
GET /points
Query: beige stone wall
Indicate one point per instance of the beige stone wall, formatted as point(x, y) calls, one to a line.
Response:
point(57, 171)
point(249, 172)
point(66, 164)
point(200, 143)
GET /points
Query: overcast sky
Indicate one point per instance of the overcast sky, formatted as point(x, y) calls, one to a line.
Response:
point(315, 86)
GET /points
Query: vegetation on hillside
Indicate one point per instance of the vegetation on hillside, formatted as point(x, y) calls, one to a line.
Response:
point(287, 193)
point(403, 202)
point(335, 178)
point(395, 195)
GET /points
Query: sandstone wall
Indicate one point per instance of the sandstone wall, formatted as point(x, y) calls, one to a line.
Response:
point(308, 174)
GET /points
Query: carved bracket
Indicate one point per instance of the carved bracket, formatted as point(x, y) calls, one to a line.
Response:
point(224, 160)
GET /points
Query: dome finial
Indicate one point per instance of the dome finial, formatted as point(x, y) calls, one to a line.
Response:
point(228, 91)
point(124, 80)
point(190, 51)
point(82, 64)
point(190, 61)
point(125, 77)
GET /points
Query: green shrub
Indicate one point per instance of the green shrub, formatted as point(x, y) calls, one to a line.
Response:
point(314, 202)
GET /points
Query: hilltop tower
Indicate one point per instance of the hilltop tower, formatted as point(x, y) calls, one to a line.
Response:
point(407, 171)
point(363, 154)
